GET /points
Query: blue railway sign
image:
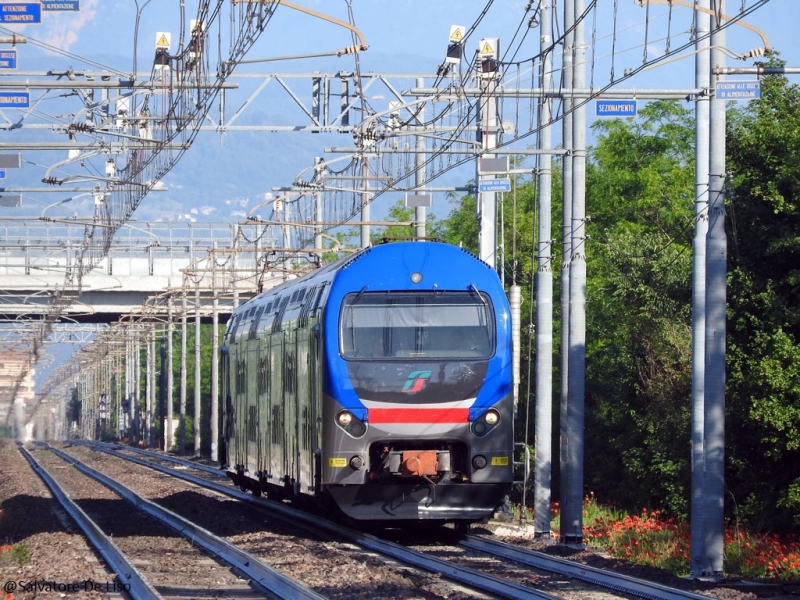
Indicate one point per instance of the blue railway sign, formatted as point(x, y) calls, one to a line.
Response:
point(15, 99)
point(738, 90)
point(615, 108)
point(494, 185)
point(8, 59)
point(21, 13)
point(60, 5)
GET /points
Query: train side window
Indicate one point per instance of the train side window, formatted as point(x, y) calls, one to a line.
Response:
point(240, 377)
point(276, 426)
point(252, 424)
point(262, 376)
point(289, 377)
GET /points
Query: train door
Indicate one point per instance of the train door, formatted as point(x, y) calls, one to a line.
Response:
point(227, 407)
point(305, 411)
point(263, 405)
point(291, 457)
point(316, 405)
point(276, 459)
point(252, 426)
point(310, 409)
point(239, 412)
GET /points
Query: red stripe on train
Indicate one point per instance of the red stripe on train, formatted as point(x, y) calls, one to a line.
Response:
point(418, 415)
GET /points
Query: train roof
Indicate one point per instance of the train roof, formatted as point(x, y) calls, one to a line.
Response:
point(387, 266)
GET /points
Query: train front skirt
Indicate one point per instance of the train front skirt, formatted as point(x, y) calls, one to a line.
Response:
point(419, 501)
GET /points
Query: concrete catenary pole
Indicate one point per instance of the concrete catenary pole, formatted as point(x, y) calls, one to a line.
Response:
point(544, 297)
point(128, 379)
point(572, 480)
point(319, 166)
point(486, 208)
point(419, 173)
point(137, 409)
point(214, 361)
point(169, 434)
point(182, 409)
point(365, 205)
point(716, 297)
point(149, 387)
point(701, 112)
point(566, 240)
point(197, 370)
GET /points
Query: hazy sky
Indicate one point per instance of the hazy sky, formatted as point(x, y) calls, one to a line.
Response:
point(414, 28)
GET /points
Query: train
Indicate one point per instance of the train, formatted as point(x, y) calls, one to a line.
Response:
point(380, 383)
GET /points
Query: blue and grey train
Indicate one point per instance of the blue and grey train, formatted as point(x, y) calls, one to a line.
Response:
point(381, 382)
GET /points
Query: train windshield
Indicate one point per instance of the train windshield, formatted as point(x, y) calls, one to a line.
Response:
point(429, 325)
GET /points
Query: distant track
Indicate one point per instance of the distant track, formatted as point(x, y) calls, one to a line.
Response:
point(272, 582)
point(140, 588)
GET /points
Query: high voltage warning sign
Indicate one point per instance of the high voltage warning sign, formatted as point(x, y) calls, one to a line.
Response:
point(163, 39)
point(457, 33)
point(487, 48)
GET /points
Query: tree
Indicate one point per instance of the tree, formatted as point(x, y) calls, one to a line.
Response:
point(763, 435)
point(640, 193)
point(401, 213)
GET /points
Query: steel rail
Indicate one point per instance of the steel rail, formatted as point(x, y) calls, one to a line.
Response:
point(463, 575)
point(140, 588)
point(270, 580)
point(573, 570)
point(165, 457)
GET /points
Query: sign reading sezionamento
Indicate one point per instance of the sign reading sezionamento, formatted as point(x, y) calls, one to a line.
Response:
point(15, 99)
point(21, 13)
point(615, 108)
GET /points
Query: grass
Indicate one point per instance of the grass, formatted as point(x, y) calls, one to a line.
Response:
point(18, 554)
point(648, 538)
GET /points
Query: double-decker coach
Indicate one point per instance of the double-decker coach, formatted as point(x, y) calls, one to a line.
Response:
point(381, 382)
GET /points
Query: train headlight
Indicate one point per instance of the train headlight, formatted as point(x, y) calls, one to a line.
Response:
point(416, 277)
point(486, 422)
point(351, 424)
point(491, 417)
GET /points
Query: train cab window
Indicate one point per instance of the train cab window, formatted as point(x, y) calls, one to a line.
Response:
point(435, 325)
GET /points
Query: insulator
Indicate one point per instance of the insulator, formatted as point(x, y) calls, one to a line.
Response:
point(755, 52)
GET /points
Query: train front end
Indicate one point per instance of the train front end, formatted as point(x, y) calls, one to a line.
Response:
point(417, 403)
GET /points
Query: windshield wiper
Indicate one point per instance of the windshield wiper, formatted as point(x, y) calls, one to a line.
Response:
point(474, 289)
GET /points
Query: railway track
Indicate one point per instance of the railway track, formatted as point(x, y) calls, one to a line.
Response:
point(155, 579)
point(517, 569)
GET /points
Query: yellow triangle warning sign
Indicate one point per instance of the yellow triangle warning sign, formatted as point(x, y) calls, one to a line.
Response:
point(457, 33)
point(162, 40)
point(487, 49)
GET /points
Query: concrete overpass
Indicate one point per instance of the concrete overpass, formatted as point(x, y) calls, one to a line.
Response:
point(145, 260)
